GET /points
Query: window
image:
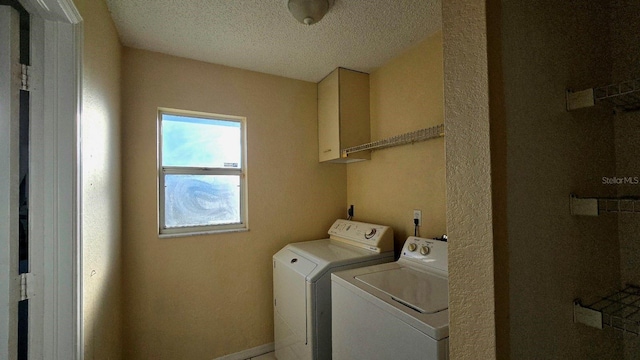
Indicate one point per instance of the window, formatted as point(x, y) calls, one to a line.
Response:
point(202, 173)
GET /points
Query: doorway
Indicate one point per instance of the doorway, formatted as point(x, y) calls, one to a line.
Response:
point(39, 257)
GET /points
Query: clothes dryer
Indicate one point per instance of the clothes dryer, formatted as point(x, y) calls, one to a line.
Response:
point(302, 284)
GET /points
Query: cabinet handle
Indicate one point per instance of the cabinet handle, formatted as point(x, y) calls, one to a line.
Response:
point(326, 151)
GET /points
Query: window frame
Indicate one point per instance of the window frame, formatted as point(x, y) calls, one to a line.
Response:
point(162, 171)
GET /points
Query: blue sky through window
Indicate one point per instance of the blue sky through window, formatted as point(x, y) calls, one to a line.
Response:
point(198, 142)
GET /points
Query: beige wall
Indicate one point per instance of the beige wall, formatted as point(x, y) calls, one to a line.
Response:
point(468, 171)
point(554, 257)
point(534, 52)
point(627, 142)
point(625, 49)
point(406, 95)
point(202, 297)
point(100, 126)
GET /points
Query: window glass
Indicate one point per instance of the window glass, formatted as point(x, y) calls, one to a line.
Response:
point(202, 182)
point(197, 200)
point(198, 142)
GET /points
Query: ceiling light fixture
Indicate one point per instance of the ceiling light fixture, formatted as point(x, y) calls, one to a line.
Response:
point(309, 11)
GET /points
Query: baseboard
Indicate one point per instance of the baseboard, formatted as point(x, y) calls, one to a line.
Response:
point(249, 353)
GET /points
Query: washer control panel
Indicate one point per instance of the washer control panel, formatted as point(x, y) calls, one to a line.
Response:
point(426, 252)
point(378, 238)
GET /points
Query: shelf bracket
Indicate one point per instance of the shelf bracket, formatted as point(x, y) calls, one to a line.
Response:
point(586, 316)
point(584, 206)
point(580, 99)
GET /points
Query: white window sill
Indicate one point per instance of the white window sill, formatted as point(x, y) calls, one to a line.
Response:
point(199, 233)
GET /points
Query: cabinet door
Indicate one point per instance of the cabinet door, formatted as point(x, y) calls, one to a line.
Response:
point(329, 118)
point(354, 110)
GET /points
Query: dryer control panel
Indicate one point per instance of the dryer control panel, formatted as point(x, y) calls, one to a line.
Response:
point(378, 238)
point(429, 253)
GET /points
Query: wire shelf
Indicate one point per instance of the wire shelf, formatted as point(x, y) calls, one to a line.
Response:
point(620, 310)
point(407, 138)
point(619, 205)
point(597, 206)
point(623, 96)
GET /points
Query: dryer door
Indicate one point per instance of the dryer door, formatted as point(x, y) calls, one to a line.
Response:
point(291, 305)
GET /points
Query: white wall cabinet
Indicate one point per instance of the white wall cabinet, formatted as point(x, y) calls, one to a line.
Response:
point(343, 115)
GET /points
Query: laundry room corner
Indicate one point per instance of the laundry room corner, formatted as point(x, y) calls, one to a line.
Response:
point(406, 94)
point(209, 295)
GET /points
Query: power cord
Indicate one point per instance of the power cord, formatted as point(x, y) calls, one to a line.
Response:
point(416, 231)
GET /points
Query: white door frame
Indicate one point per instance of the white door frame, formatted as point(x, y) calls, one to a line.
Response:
point(55, 304)
point(9, 179)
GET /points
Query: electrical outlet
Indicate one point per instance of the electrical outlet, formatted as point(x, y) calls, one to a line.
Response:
point(417, 214)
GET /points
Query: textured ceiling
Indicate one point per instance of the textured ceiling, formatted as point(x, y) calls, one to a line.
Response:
point(262, 35)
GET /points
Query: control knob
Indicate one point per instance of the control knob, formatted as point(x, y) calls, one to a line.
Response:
point(370, 234)
point(425, 250)
point(413, 247)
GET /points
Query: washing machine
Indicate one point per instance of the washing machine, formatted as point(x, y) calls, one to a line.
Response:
point(394, 311)
point(302, 284)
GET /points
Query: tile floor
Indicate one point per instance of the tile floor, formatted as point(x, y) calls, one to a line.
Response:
point(267, 356)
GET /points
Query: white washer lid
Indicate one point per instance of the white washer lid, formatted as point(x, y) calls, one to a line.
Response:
point(422, 292)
